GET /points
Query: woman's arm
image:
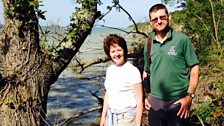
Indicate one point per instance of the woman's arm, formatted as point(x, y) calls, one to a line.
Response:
point(139, 99)
point(104, 112)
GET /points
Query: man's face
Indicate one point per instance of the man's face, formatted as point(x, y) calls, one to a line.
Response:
point(159, 20)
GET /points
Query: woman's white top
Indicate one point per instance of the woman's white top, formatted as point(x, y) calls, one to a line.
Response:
point(119, 86)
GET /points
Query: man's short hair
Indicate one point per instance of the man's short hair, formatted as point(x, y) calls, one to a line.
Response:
point(157, 7)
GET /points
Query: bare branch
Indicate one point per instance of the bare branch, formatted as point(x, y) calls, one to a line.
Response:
point(129, 15)
point(104, 15)
point(78, 115)
point(127, 32)
point(85, 66)
point(100, 100)
point(117, 5)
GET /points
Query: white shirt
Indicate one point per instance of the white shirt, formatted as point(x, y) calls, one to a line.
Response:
point(119, 86)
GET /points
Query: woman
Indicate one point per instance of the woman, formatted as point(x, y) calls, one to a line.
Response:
point(123, 104)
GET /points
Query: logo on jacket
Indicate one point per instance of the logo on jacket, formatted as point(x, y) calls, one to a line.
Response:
point(172, 51)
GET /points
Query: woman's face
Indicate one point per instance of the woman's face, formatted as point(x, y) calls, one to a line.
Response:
point(117, 54)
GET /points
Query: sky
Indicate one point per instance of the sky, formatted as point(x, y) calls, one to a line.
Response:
point(59, 12)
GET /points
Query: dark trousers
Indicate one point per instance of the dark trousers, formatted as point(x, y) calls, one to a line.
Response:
point(167, 118)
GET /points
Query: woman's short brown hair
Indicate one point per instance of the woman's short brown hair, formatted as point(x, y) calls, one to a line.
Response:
point(114, 39)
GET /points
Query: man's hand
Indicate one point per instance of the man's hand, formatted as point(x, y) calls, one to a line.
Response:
point(184, 111)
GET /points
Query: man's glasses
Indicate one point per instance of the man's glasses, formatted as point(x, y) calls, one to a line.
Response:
point(155, 20)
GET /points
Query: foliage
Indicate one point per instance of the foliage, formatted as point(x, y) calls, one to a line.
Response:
point(50, 37)
point(145, 27)
point(87, 4)
point(1, 26)
point(19, 6)
point(203, 21)
point(81, 15)
point(178, 3)
point(210, 111)
point(204, 25)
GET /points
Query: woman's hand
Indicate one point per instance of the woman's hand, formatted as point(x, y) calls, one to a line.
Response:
point(103, 121)
point(147, 104)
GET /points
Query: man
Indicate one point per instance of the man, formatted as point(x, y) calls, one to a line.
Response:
point(174, 72)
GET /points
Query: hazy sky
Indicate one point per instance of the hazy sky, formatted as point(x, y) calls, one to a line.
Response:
point(59, 11)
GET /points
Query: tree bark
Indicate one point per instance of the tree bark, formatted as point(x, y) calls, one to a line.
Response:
point(26, 71)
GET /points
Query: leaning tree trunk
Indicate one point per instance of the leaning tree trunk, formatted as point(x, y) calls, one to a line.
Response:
point(24, 86)
point(26, 71)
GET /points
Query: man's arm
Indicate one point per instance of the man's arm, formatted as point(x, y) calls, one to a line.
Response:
point(144, 75)
point(186, 101)
point(146, 98)
point(194, 78)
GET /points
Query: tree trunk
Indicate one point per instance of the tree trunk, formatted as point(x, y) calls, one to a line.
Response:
point(26, 71)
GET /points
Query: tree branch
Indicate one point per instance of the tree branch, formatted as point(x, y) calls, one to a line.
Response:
point(117, 5)
point(122, 30)
point(78, 115)
point(83, 20)
point(84, 66)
